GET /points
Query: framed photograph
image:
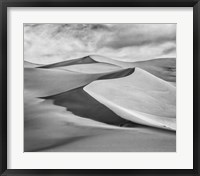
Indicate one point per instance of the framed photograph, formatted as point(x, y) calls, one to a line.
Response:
point(99, 87)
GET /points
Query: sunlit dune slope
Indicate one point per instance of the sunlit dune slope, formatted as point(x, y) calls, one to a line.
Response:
point(91, 68)
point(46, 82)
point(140, 97)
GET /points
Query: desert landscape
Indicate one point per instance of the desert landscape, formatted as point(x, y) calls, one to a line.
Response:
point(97, 103)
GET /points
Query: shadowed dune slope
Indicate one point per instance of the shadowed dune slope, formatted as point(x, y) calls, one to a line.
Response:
point(119, 74)
point(140, 97)
point(103, 59)
point(82, 104)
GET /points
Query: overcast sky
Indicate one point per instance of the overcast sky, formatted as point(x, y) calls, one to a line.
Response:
point(48, 43)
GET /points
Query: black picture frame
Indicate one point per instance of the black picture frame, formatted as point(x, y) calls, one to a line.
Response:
point(99, 3)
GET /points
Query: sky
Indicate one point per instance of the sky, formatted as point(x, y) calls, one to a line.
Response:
point(50, 43)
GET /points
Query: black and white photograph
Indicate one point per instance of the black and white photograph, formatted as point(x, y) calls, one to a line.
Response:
point(99, 87)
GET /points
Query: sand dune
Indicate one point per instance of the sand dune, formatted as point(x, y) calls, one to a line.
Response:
point(82, 104)
point(51, 128)
point(77, 113)
point(151, 101)
point(91, 59)
point(46, 82)
point(86, 65)
point(48, 126)
point(90, 68)
point(164, 68)
point(83, 60)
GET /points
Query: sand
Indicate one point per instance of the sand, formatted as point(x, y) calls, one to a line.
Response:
point(164, 68)
point(82, 104)
point(135, 140)
point(151, 101)
point(60, 115)
point(52, 128)
point(46, 82)
point(90, 68)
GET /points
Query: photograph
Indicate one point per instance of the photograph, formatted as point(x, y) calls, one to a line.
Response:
point(99, 87)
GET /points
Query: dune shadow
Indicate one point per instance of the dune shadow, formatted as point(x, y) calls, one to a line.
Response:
point(82, 104)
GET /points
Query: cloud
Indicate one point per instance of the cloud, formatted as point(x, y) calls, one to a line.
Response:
point(101, 27)
point(169, 50)
point(139, 53)
point(139, 35)
point(48, 43)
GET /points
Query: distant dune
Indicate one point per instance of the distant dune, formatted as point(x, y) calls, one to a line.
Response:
point(84, 65)
point(164, 68)
point(90, 68)
point(91, 59)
